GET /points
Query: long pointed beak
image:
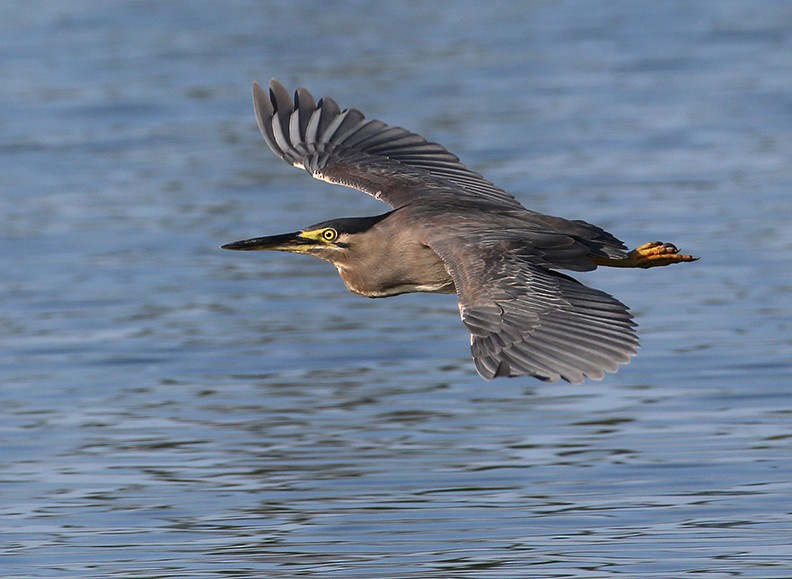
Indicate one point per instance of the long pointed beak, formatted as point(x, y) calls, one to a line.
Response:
point(292, 242)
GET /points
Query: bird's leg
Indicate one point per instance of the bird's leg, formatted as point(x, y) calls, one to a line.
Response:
point(652, 254)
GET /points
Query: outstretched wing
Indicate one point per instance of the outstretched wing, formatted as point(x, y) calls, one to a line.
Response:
point(343, 147)
point(525, 319)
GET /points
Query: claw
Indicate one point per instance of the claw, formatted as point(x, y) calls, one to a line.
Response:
point(655, 254)
point(652, 254)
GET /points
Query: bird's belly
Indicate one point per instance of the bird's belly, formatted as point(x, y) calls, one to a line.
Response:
point(385, 282)
point(398, 287)
point(435, 288)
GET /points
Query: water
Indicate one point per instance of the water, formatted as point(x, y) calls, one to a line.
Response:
point(171, 410)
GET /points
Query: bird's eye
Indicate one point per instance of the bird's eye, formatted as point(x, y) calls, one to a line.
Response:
point(329, 234)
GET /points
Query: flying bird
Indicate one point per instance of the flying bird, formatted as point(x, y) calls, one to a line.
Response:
point(450, 230)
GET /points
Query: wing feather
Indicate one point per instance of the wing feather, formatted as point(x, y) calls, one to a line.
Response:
point(342, 146)
point(306, 106)
point(526, 319)
point(329, 111)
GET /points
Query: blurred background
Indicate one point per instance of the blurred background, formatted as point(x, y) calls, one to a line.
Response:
point(170, 409)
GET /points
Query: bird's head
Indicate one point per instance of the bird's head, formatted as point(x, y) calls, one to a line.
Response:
point(329, 240)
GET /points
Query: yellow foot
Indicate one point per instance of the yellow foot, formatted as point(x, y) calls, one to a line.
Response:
point(657, 253)
point(652, 254)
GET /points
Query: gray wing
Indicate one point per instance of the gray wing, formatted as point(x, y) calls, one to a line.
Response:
point(343, 147)
point(525, 319)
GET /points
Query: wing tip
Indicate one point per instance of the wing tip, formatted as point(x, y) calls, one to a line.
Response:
point(512, 364)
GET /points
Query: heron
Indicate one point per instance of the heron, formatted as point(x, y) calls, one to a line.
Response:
point(450, 230)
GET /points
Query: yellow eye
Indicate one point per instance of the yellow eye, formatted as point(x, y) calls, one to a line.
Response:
point(329, 234)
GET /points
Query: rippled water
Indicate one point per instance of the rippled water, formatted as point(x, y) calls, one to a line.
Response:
point(169, 409)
